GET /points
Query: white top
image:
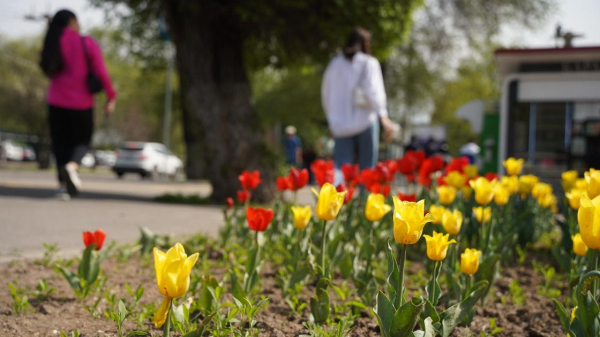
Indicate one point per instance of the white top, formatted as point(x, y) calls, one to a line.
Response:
point(341, 77)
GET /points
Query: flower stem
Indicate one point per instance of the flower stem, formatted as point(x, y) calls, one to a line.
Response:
point(431, 295)
point(400, 292)
point(323, 239)
point(489, 233)
point(468, 286)
point(167, 327)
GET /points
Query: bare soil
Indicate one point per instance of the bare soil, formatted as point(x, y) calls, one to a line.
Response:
point(62, 311)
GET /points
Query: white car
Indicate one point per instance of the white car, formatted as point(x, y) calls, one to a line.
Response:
point(11, 151)
point(146, 159)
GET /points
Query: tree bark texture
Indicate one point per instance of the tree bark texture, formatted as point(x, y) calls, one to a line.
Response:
point(222, 132)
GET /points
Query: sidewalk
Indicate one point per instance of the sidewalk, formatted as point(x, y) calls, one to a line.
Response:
point(29, 216)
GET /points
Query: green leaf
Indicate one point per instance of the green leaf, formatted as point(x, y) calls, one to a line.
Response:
point(588, 310)
point(563, 316)
point(453, 315)
point(406, 317)
point(320, 306)
point(384, 310)
point(89, 266)
point(433, 287)
point(430, 312)
point(122, 311)
point(487, 270)
point(71, 277)
point(393, 272)
point(345, 266)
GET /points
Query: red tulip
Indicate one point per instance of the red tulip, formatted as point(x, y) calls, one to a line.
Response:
point(408, 164)
point(407, 197)
point(96, 237)
point(259, 218)
point(351, 174)
point(243, 196)
point(230, 202)
point(457, 164)
point(250, 180)
point(383, 173)
point(323, 171)
point(368, 177)
point(349, 189)
point(297, 179)
point(283, 183)
point(392, 166)
point(441, 181)
point(491, 176)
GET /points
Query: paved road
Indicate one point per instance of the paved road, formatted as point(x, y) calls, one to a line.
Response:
point(30, 216)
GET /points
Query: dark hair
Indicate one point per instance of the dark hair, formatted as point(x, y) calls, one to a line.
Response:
point(52, 61)
point(359, 40)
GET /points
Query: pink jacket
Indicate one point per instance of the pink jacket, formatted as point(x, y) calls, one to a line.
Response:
point(68, 88)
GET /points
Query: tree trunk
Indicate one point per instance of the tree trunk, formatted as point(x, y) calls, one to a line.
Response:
point(222, 132)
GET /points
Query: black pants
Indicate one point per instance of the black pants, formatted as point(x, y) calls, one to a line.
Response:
point(71, 132)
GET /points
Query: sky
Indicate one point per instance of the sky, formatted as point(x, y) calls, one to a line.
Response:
point(578, 16)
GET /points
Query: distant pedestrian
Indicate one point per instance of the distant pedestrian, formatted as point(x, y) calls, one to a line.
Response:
point(76, 70)
point(414, 144)
point(292, 146)
point(470, 150)
point(354, 100)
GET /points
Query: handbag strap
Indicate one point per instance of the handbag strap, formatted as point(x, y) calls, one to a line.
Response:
point(85, 53)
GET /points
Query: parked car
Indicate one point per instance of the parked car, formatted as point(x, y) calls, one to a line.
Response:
point(11, 151)
point(88, 160)
point(28, 153)
point(147, 160)
point(105, 158)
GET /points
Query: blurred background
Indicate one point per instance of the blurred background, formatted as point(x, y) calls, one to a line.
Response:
point(522, 77)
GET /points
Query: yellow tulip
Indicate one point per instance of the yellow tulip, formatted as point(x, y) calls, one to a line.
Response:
point(452, 221)
point(592, 180)
point(513, 166)
point(172, 277)
point(574, 313)
point(579, 247)
point(589, 221)
point(409, 220)
point(568, 179)
point(574, 196)
point(437, 212)
point(467, 191)
point(511, 183)
point(541, 190)
point(302, 215)
point(329, 202)
point(437, 245)
point(581, 184)
point(455, 179)
point(469, 261)
point(470, 171)
point(548, 201)
point(446, 194)
point(526, 184)
point(501, 195)
point(483, 214)
point(484, 190)
point(376, 207)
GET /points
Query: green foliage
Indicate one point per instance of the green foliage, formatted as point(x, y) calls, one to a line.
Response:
point(494, 330)
point(516, 293)
point(43, 290)
point(49, 259)
point(20, 303)
point(87, 274)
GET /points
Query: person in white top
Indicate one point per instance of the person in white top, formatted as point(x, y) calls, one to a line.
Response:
point(354, 100)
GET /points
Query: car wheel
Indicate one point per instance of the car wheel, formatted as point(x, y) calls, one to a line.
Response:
point(120, 175)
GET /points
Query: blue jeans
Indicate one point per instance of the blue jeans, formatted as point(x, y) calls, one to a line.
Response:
point(362, 149)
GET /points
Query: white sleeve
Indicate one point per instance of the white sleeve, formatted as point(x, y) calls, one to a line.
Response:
point(374, 88)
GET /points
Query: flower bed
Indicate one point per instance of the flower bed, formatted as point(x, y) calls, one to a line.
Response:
point(494, 261)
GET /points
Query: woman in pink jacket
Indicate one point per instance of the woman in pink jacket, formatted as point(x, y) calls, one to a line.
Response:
point(68, 59)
